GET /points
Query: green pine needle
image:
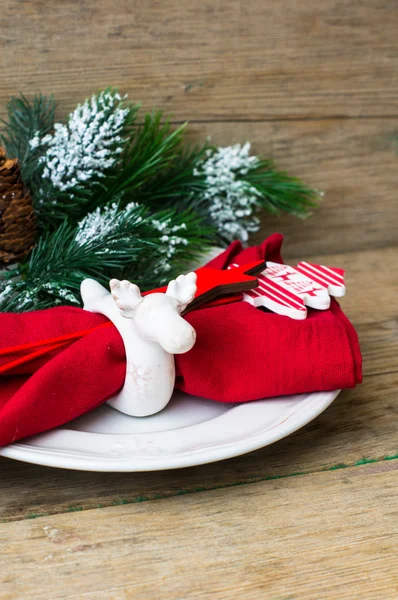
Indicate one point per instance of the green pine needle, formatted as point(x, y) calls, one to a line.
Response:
point(132, 245)
point(154, 162)
point(279, 191)
point(25, 120)
point(176, 185)
point(91, 129)
point(167, 201)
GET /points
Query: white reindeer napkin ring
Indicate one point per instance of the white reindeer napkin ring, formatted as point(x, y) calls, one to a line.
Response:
point(152, 330)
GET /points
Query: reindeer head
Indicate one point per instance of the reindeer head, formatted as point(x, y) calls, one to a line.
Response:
point(157, 317)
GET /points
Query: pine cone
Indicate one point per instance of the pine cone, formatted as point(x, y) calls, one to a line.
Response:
point(17, 216)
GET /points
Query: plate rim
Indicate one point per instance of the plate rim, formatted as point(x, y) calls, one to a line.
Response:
point(309, 408)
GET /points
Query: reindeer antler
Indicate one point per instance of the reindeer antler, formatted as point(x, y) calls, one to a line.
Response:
point(183, 289)
point(126, 295)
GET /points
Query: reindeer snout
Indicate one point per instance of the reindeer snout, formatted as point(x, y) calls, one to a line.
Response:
point(183, 343)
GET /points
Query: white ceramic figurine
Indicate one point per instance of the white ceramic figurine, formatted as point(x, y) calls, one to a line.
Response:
point(152, 330)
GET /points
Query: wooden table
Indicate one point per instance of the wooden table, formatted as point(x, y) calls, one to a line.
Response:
point(313, 84)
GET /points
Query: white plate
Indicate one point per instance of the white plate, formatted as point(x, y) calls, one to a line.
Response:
point(189, 431)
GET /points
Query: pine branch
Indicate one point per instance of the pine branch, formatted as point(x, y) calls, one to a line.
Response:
point(227, 188)
point(25, 120)
point(278, 191)
point(152, 155)
point(108, 243)
point(234, 186)
point(154, 168)
point(91, 177)
point(62, 259)
point(177, 185)
point(182, 238)
point(81, 158)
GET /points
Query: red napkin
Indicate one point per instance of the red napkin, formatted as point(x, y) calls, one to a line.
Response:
point(241, 353)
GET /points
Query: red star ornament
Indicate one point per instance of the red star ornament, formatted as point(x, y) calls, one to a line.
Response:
point(215, 286)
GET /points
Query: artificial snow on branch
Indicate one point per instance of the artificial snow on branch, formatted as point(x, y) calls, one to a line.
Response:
point(108, 242)
point(238, 186)
point(117, 195)
point(25, 120)
point(232, 202)
point(89, 145)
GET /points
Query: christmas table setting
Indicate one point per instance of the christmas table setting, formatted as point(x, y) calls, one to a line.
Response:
point(164, 359)
point(81, 205)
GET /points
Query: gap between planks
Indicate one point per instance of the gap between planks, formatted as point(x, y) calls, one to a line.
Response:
point(229, 119)
point(158, 496)
point(329, 443)
point(332, 535)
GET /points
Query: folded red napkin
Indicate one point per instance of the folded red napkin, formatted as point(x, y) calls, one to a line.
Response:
point(241, 353)
point(244, 353)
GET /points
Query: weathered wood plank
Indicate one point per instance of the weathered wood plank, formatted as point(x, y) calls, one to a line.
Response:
point(361, 423)
point(353, 162)
point(372, 284)
point(222, 60)
point(325, 535)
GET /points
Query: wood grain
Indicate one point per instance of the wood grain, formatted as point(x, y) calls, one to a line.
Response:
point(213, 60)
point(353, 162)
point(325, 535)
point(360, 424)
point(372, 285)
point(314, 85)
